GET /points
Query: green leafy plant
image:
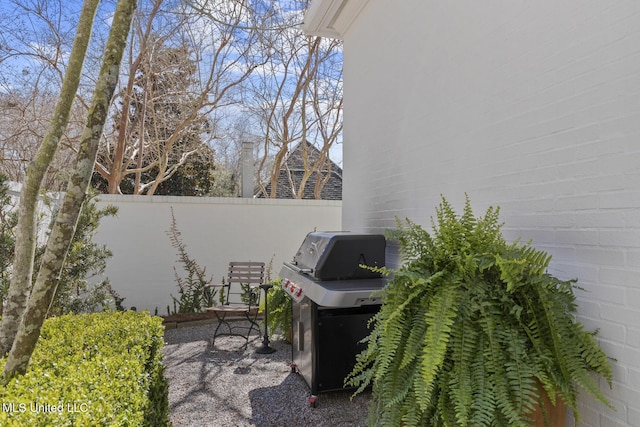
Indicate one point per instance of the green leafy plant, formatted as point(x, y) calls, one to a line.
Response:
point(85, 260)
point(249, 295)
point(221, 293)
point(279, 310)
point(472, 329)
point(194, 294)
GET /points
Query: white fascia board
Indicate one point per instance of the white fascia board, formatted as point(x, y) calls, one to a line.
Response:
point(331, 18)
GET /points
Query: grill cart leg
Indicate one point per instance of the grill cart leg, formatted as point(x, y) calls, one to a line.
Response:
point(313, 401)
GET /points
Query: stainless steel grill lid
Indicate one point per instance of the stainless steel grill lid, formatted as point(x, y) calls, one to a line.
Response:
point(339, 255)
point(327, 269)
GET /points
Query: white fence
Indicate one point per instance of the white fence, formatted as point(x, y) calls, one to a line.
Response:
point(45, 208)
point(215, 230)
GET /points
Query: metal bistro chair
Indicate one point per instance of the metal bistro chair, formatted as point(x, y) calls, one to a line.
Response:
point(241, 296)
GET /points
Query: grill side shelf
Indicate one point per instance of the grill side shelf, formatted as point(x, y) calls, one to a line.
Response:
point(298, 269)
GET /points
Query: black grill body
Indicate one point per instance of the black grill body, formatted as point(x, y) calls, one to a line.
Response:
point(326, 342)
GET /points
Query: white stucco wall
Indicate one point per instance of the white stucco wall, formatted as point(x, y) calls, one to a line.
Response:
point(532, 106)
point(215, 230)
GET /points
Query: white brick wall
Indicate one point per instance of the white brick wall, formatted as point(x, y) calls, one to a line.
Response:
point(533, 106)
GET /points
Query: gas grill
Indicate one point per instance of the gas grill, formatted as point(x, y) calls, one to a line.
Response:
point(333, 300)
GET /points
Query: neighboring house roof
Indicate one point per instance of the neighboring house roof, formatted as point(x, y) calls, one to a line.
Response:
point(293, 169)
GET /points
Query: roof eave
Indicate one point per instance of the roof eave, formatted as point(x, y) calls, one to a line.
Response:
point(331, 18)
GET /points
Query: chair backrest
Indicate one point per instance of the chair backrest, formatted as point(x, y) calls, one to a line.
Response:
point(242, 281)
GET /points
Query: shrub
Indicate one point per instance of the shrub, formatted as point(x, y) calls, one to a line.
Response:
point(279, 310)
point(84, 261)
point(471, 328)
point(102, 369)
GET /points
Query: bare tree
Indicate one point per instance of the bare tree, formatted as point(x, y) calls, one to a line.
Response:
point(296, 97)
point(63, 229)
point(178, 82)
point(35, 42)
point(254, 77)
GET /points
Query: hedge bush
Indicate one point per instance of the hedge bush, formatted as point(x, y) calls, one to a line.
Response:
point(100, 369)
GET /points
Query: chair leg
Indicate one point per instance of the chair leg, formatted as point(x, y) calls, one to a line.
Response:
point(220, 322)
point(252, 323)
point(221, 319)
point(252, 318)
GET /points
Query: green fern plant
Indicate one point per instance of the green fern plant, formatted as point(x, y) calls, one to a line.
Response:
point(471, 327)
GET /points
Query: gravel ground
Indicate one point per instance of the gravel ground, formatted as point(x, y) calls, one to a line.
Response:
point(227, 386)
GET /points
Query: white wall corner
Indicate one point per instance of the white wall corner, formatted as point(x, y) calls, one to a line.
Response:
point(331, 18)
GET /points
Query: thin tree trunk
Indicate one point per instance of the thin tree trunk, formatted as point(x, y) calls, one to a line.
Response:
point(65, 224)
point(26, 230)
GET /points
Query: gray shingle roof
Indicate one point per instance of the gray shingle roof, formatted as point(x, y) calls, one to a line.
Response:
point(294, 170)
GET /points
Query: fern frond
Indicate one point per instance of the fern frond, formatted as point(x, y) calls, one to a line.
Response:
point(595, 359)
point(483, 403)
point(440, 317)
point(519, 371)
point(416, 337)
point(554, 337)
point(463, 345)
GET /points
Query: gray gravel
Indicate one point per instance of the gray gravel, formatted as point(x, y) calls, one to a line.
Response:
point(227, 386)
